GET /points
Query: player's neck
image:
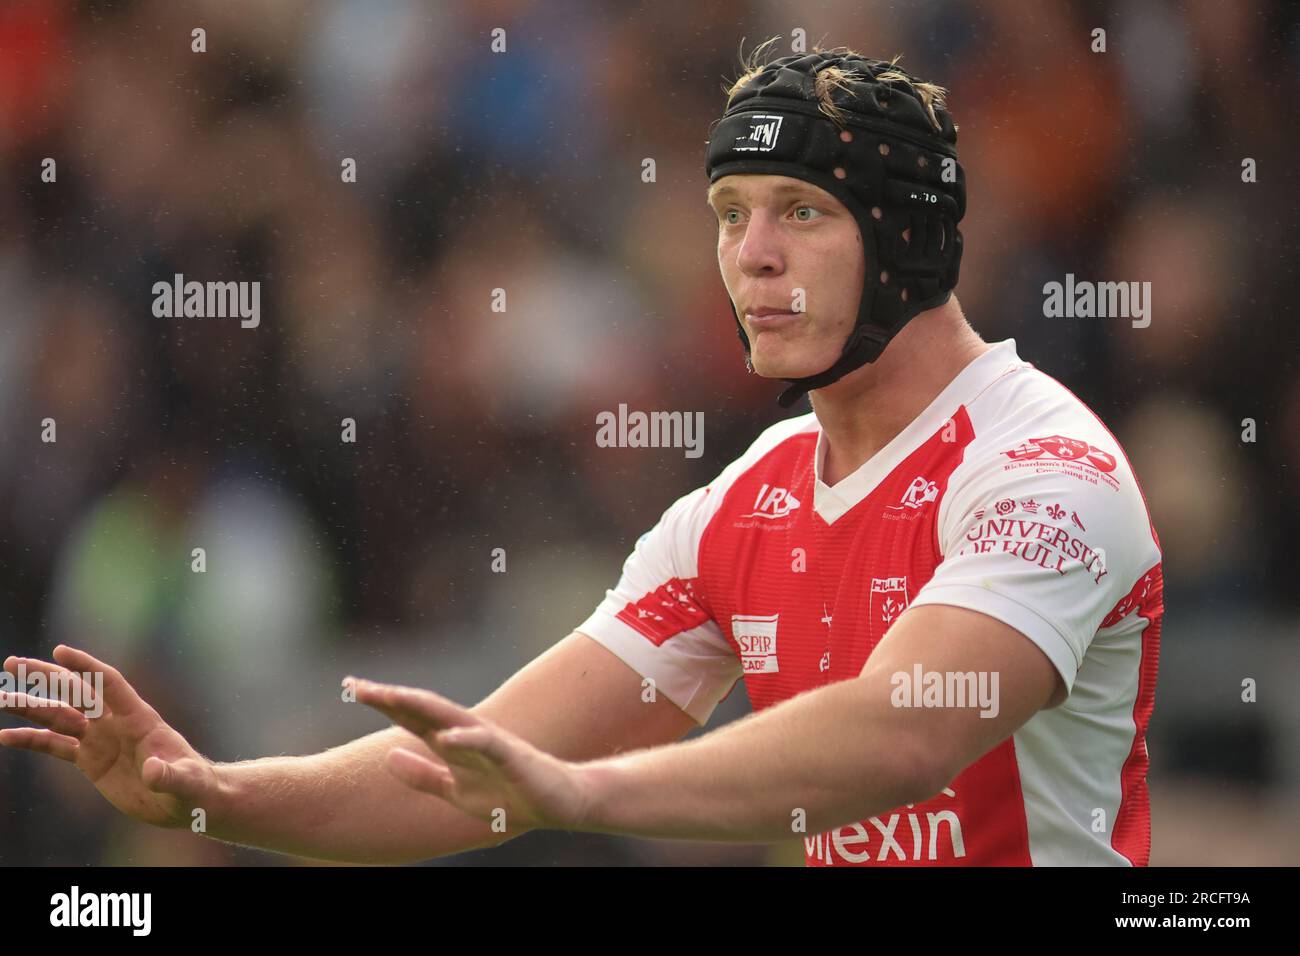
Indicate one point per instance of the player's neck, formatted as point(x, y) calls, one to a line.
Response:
point(862, 412)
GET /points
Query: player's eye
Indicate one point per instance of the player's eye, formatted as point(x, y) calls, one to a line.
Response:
point(726, 216)
point(807, 209)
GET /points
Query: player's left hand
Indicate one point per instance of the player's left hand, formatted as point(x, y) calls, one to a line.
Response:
point(488, 769)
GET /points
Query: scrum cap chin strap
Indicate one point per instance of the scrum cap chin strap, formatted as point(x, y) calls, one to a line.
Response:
point(900, 173)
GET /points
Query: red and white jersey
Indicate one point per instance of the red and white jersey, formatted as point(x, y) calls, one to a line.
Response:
point(1006, 495)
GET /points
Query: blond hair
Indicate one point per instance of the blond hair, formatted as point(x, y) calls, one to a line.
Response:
point(931, 95)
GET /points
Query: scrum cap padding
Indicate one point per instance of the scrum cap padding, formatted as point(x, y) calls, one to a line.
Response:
point(900, 173)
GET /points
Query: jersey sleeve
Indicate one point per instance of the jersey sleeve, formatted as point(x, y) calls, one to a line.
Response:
point(657, 620)
point(1048, 551)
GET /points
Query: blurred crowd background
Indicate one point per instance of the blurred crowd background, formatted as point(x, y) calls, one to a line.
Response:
point(476, 429)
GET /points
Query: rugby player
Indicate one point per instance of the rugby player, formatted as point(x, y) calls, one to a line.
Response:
point(941, 587)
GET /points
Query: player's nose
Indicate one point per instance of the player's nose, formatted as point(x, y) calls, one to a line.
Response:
point(760, 249)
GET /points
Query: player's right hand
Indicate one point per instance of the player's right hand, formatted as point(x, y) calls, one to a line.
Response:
point(140, 764)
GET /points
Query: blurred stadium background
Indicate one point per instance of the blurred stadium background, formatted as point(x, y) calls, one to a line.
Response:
point(477, 430)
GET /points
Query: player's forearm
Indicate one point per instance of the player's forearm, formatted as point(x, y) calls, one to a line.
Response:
point(340, 805)
point(825, 758)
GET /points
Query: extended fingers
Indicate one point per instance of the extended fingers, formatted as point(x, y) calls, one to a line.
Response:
point(419, 711)
point(40, 741)
point(55, 715)
point(82, 694)
point(468, 746)
point(119, 694)
point(419, 773)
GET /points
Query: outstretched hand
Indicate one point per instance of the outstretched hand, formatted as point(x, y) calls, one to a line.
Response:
point(123, 746)
point(488, 770)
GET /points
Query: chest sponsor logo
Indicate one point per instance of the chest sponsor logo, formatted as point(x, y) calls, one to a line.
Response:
point(755, 635)
point(919, 493)
point(772, 503)
point(888, 599)
point(1070, 456)
point(905, 837)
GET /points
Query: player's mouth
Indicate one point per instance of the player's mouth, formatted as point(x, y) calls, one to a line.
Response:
point(768, 321)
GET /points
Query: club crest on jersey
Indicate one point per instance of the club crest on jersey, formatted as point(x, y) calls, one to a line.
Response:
point(772, 503)
point(761, 138)
point(888, 600)
point(918, 494)
point(755, 635)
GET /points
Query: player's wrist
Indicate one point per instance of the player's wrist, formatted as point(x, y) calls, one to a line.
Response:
point(600, 783)
point(227, 796)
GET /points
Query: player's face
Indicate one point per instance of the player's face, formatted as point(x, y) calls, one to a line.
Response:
point(792, 249)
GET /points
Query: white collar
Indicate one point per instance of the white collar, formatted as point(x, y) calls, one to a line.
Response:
point(832, 503)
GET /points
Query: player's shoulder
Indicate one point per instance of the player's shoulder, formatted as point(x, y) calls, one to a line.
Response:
point(693, 511)
point(778, 433)
point(1033, 437)
point(789, 435)
point(1030, 419)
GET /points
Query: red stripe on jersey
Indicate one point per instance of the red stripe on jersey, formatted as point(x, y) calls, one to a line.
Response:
point(1132, 833)
point(666, 611)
